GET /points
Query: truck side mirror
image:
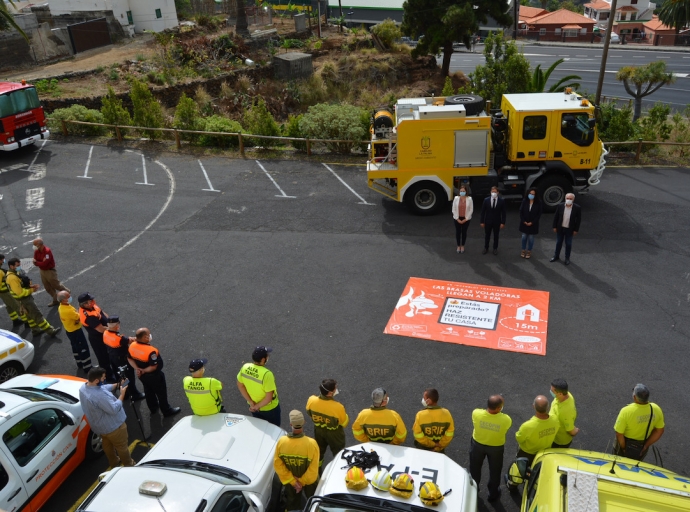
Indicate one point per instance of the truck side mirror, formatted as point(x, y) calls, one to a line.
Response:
point(523, 467)
point(592, 123)
point(68, 418)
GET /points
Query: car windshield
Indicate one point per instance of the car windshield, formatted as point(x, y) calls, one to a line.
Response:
point(358, 503)
point(16, 102)
point(202, 467)
point(43, 395)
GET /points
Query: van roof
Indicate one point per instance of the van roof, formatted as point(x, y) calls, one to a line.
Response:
point(545, 101)
point(12, 86)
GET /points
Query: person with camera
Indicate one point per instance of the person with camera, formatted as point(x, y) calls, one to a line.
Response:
point(638, 426)
point(118, 346)
point(106, 415)
point(22, 291)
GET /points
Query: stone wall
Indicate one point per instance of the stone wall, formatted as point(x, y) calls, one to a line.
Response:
point(168, 96)
point(14, 50)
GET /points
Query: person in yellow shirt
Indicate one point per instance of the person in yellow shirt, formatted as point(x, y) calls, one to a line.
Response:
point(296, 463)
point(202, 392)
point(488, 441)
point(257, 384)
point(13, 310)
point(563, 407)
point(21, 290)
point(378, 423)
point(70, 321)
point(538, 432)
point(329, 419)
point(433, 427)
point(639, 425)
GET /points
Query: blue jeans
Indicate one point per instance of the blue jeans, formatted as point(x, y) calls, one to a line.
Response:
point(567, 235)
point(527, 241)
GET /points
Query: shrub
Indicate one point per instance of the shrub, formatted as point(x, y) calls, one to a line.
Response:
point(77, 113)
point(258, 120)
point(220, 124)
point(292, 129)
point(187, 117)
point(387, 32)
point(204, 100)
point(48, 87)
point(114, 75)
point(344, 122)
point(113, 111)
point(447, 87)
point(147, 111)
point(655, 125)
point(615, 123)
point(312, 91)
point(226, 91)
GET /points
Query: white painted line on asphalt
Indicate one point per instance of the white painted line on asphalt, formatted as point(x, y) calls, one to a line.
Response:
point(274, 182)
point(32, 228)
point(210, 187)
point(171, 193)
point(680, 75)
point(36, 155)
point(660, 57)
point(88, 163)
point(146, 180)
point(38, 172)
point(363, 201)
point(35, 198)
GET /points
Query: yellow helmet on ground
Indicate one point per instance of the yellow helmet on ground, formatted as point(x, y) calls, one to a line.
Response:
point(382, 480)
point(355, 479)
point(403, 486)
point(514, 478)
point(430, 494)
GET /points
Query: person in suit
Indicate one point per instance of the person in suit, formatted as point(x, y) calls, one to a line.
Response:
point(530, 213)
point(462, 214)
point(566, 224)
point(493, 218)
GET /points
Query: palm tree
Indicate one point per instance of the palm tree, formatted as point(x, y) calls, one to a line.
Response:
point(8, 19)
point(539, 79)
point(675, 13)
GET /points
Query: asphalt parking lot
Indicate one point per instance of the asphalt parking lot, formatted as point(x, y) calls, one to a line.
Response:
point(219, 255)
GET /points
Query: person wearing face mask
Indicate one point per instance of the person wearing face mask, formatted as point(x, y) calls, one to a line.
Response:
point(462, 214)
point(566, 224)
point(488, 441)
point(378, 423)
point(563, 408)
point(148, 365)
point(530, 213)
point(95, 320)
point(493, 218)
point(433, 427)
point(72, 324)
point(13, 310)
point(21, 290)
point(44, 260)
point(330, 419)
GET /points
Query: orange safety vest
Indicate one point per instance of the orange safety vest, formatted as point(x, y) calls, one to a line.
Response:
point(141, 352)
point(112, 339)
point(83, 313)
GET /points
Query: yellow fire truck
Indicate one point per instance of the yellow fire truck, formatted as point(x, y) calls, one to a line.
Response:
point(428, 147)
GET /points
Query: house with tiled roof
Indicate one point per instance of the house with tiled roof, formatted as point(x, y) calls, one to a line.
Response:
point(560, 25)
point(526, 14)
point(626, 10)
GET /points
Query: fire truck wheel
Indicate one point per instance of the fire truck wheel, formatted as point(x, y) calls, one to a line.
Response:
point(553, 190)
point(473, 104)
point(425, 198)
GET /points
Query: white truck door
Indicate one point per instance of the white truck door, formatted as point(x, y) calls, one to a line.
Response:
point(12, 491)
point(40, 441)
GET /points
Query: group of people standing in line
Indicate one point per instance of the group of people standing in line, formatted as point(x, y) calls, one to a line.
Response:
point(566, 221)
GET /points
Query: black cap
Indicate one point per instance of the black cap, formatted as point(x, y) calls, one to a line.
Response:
point(197, 364)
point(115, 319)
point(261, 352)
point(84, 297)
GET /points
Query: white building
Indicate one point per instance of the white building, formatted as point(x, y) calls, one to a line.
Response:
point(626, 10)
point(133, 15)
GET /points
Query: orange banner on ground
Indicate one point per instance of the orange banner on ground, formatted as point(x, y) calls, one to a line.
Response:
point(471, 314)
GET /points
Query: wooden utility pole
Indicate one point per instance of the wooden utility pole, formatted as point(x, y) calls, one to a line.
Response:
point(605, 54)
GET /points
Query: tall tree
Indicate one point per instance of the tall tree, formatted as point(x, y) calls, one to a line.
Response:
point(506, 70)
point(540, 78)
point(644, 80)
point(242, 25)
point(8, 20)
point(443, 22)
point(675, 13)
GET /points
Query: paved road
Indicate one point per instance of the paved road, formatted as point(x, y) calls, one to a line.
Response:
point(287, 254)
point(586, 62)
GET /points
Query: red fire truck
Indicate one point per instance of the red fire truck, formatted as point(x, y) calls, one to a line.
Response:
point(22, 121)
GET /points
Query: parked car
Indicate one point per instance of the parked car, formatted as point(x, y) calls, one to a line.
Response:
point(45, 436)
point(16, 354)
point(222, 462)
point(615, 38)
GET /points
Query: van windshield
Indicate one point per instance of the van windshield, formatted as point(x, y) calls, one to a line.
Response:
point(16, 102)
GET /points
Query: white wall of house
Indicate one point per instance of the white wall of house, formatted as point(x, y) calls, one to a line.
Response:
point(145, 13)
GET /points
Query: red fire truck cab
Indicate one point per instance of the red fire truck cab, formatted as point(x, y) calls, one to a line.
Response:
point(22, 121)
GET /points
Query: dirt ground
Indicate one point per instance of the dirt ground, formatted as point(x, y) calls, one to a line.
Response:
point(91, 59)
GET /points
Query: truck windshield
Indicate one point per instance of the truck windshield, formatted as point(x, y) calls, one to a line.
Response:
point(16, 102)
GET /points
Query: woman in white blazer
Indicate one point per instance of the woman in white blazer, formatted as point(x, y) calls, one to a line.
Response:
point(462, 214)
